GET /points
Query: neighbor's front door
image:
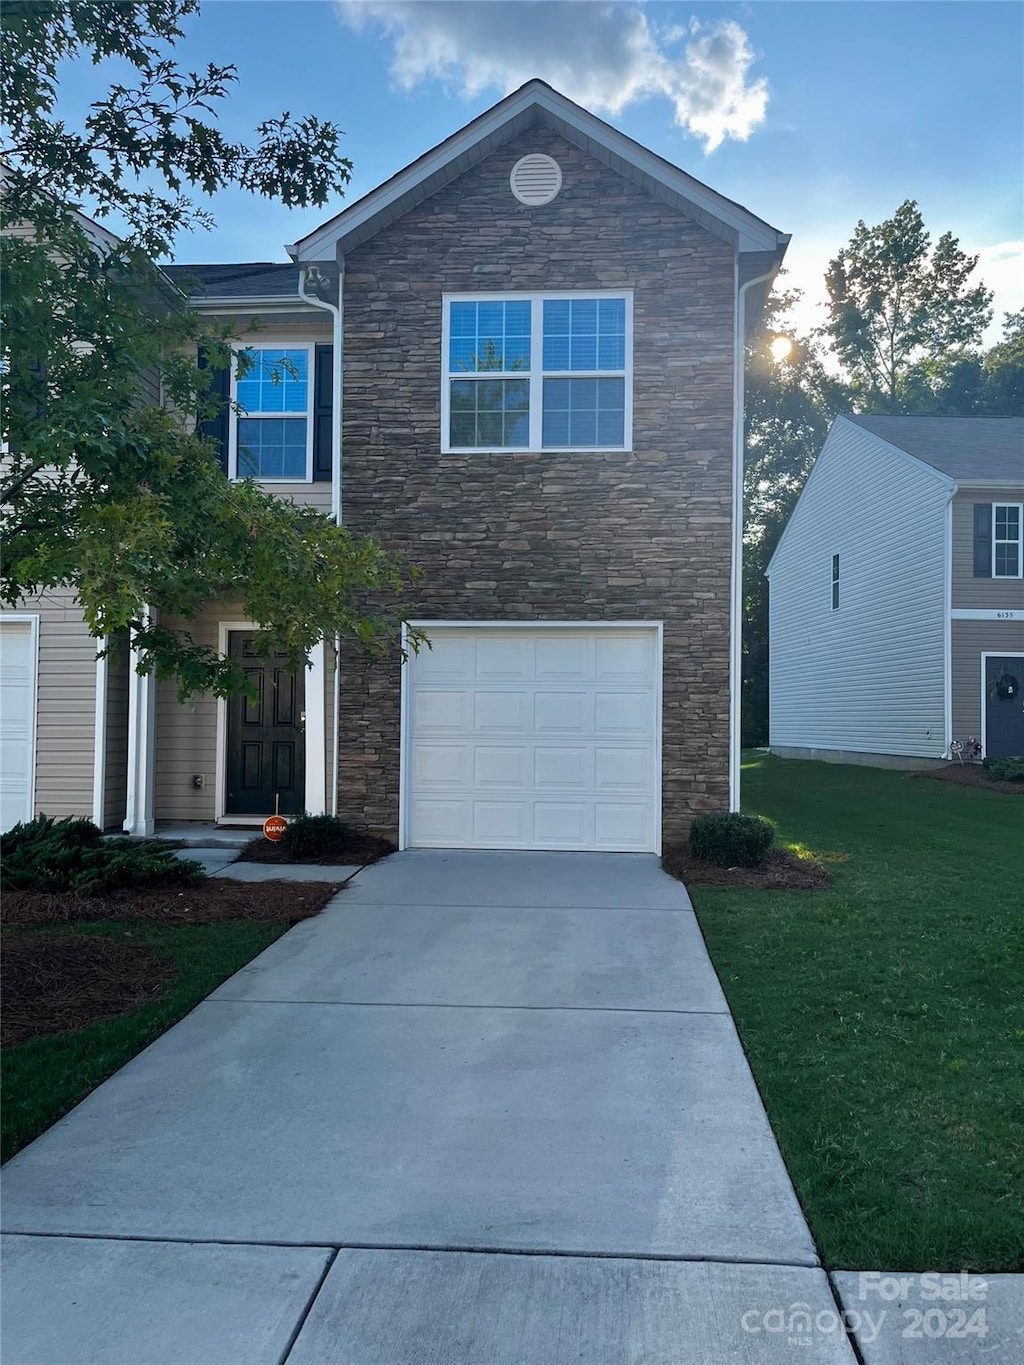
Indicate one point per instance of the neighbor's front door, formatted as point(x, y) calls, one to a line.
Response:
point(1004, 706)
point(266, 768)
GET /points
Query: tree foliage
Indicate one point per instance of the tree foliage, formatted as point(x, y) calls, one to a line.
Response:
point(105, 488)
point(896, 304)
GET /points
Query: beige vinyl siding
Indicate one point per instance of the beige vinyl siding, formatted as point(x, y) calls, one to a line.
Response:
point(969, 591)
point(316, 495)
point(65, 707)
point(870, 677)
point(115, 786)
point(150, 387)
point(186, 737)
point(970, 640)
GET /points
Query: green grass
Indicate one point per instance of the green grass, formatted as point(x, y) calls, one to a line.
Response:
point(45, 1077)
point(884, 1018)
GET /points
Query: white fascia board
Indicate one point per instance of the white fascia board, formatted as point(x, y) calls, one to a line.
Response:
point(943, 479)
point(254, 303)
point(748, 232)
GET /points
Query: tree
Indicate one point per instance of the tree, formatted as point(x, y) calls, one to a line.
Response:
point(790, 402)
point(1004, 370)
point(103, 491)
point(896, 304)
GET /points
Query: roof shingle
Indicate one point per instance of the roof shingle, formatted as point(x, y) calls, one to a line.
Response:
point(969, 449)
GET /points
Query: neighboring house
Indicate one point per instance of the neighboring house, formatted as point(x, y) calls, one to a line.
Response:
point(896, 622)
point(519, 362)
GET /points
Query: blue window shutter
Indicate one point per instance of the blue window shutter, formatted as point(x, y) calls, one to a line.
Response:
point(323, 411)
point(215, 428)
point(982, 540)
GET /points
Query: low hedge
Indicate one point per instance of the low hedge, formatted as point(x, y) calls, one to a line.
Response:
point(731, 840)
point(72, 855)
point(1004, 769)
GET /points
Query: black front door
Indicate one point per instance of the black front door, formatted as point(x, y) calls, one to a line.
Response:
point(1004, 706)
point(266, 759)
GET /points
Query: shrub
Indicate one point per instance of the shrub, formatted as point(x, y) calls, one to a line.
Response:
point(309, 837)
point(1004, 769)
point(731, 840)
point(72, 855)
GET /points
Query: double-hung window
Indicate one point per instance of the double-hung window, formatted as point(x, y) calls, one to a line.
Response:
point(272, 434)
point(1007, 540)
point(537, 372)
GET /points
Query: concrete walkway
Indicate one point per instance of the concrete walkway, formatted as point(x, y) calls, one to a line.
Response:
point(486, 1108)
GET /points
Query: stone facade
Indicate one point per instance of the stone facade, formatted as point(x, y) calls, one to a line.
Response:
point(638, 535)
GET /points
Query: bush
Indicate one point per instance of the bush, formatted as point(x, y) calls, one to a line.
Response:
point(731, 840)
point(1004, 769)
point(309, 837)
point(72, 855)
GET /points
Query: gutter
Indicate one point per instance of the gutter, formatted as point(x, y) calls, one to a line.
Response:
point(337, 312)
point(736, 571)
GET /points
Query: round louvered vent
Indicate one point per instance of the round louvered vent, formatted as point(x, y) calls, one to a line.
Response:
point(535, 179)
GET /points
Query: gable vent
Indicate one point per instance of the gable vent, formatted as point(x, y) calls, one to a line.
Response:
point(535, 179)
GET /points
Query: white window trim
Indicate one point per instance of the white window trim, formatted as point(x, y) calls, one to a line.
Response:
point(1019, 542)
point(272, 343)
point(536, 374)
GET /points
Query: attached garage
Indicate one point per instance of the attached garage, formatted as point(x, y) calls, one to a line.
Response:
point(17, 719)
point(533, 737)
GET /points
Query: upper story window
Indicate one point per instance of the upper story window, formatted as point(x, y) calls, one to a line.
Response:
point(835, 582)
point(272, 437)
point(537, 372)
point(1007, 540)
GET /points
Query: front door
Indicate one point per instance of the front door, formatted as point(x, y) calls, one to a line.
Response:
point(1004, 706)
point(266, 767)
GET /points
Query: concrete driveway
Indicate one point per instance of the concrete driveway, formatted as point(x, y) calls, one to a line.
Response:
point(486, 1107)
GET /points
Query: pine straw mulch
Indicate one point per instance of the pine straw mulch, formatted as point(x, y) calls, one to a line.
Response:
point(780, 871)
point(54, 983)
point(971, 775)
point(208, 903)
point(360, 850)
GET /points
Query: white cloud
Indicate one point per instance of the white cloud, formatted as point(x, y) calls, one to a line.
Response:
point(603, 55)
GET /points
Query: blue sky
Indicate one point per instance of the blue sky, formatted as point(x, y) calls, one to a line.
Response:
point(811, 114)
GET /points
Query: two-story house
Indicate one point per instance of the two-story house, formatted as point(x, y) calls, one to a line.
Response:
point(896, 623)
point(519, 361)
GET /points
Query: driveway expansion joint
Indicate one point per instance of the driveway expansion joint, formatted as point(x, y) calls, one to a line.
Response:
point(456, 1005)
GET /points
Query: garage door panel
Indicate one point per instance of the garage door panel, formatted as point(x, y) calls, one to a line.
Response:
point(435, 711)
point(564, 657)
point(562, 713)
point(500, 766)
point(527, 738)
point(504, 821)
point(17, 721)
point(441, 765)
point(629, 659)
point(559, 766)
point(623, 713)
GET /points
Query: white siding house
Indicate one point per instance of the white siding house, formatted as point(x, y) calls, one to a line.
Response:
point(859, 611)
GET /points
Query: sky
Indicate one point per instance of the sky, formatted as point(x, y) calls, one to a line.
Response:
point(813, 115)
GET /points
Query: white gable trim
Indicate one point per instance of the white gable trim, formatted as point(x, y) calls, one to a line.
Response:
point(535, 102)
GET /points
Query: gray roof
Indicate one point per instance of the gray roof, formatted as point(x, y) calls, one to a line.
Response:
point(241, 280)
point(968, 449)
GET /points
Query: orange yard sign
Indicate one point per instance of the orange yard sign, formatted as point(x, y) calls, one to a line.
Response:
point(274, 827)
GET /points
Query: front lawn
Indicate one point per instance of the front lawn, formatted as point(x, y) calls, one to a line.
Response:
point(197, 938)
point(884, 1017)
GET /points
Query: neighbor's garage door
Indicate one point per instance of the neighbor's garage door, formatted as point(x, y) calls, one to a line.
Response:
point(17, 720)
point(527, 738)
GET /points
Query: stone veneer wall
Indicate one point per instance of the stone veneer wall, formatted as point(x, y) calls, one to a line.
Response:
point(638, 535)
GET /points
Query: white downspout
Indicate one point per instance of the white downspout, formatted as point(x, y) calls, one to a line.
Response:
point(736, 576)
point(337, 312)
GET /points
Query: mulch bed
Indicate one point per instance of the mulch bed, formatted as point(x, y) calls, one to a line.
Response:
point(55, 983)
point(212, 901)
point(780, 871)
point(359, 851)
point(971, 775)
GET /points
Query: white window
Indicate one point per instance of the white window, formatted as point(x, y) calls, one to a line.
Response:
point(537, 372)
point(1007, 540)
point(272, 433)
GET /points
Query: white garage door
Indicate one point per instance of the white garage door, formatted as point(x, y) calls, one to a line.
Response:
point(17, 720)
point(534, 738)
